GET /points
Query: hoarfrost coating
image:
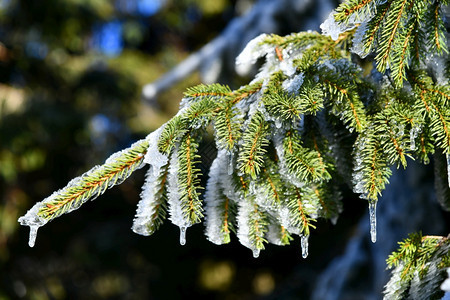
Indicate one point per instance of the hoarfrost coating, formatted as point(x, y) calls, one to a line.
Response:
point(175, 209)
point(445, 286)
point(153, 157)
point(146, 211)
point(214, 218)
point(333, 29)
point(251, 53)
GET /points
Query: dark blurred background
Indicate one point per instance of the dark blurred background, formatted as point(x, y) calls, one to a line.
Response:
point(71, 79)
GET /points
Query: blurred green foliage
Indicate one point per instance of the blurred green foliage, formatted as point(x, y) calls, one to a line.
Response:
point(65, 105)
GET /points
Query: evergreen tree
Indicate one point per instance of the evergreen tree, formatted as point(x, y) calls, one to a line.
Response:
point(315, 116)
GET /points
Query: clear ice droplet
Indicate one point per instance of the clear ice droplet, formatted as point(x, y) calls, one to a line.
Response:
point(33, 234)
point(256, 253)
point(304, 244)
point(182, 236)
point(373, 220)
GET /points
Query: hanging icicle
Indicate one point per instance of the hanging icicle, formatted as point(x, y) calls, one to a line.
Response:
point(448, 168)
point(182, 235)
point(373, 220)
point(33, 234)
point(304, 245)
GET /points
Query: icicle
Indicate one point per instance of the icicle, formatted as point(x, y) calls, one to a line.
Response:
point(33, 234)
point(373, 220)
point(448, 168)
point(304, 244)
point(412, 144)
point(256, 253)
point(182, 236)
point(334, 219)
point(413, 134)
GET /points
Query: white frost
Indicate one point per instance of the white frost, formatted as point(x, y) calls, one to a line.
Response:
point(148, 204)
point(153, 157)
point(214, 202)
point(175, 210)
point(287, 67)
point(252, 51)
point(358, 44)
point(445, 286)
point(243, 232)
point(331, 28)
point(292, 85)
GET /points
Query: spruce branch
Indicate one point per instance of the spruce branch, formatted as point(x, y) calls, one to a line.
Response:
point(371, 170)
point(286, 141)
point(389, 33)
point(220, 209)
point(344, 99)
point(300, 209)
point(88, 186)
point(419, 267)
point(154, 198)
point(251, 154)
point(189, 179)
point(306, 165)
point(349, 8)
point(436, 39)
